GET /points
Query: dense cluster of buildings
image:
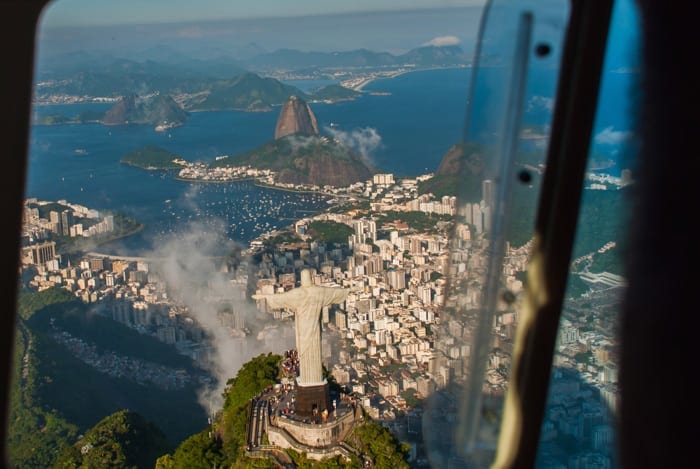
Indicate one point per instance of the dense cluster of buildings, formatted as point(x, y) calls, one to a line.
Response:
point(404, 332)
point(203, 172)
point(70, 220)
point(121, 366)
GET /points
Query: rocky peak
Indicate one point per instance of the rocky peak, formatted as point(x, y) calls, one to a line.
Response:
point(120, 112)
point(296, 117)
point(159, 109)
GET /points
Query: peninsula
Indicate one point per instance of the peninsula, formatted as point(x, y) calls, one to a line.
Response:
point(299, 157)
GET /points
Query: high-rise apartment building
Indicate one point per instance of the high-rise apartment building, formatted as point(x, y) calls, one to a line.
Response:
point(66, 222)
point(39, 254)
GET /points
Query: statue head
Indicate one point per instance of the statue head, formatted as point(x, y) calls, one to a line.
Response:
point(306, 278)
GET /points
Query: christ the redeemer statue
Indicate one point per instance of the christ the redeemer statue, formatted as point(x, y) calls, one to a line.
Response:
point(307, 301)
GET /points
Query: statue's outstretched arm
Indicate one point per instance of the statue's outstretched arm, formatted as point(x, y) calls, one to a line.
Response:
point(335, 295)
point(280, 300)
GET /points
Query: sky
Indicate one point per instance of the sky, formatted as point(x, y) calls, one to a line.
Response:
point(78, 12)
point(216, 25)
point(232, 28)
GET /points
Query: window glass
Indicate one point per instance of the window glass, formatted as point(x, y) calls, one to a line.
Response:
point(579, 426)
point(502, 160)
point(188, 167)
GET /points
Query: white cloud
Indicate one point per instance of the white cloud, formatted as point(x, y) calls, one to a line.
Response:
point(364, 141)
point(198, 266)
point(300, 141)
point(540, 102)
point(442, 41)
point(610, 136)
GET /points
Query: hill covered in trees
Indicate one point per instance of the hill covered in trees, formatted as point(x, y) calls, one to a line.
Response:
point(223, 444)
point(123, 439)
point(302, 159)
point(152, 158)
point(65, 413)
point(56, 396)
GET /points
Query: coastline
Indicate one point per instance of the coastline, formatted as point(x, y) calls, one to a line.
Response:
point(247, 178)
point(357, 83)
point(364, 81)
point(258, 183)
point(77, 248)
point(291, 189)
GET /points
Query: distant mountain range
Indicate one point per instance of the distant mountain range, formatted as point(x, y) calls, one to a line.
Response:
point(245, 92)
point(427, 56)
point(89, 74)
point(168, 61)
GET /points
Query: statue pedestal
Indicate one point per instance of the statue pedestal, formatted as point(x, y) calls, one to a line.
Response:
point(312, 399)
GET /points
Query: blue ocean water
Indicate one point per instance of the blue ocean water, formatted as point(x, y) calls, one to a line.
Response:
point(417, 122)
point(406, 130)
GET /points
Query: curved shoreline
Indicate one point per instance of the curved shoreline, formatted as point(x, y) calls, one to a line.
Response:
point(110, 239)
point(368, 80)
point(126, 234)
point(289, 189)
point(207, 181)
point(257, 183)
